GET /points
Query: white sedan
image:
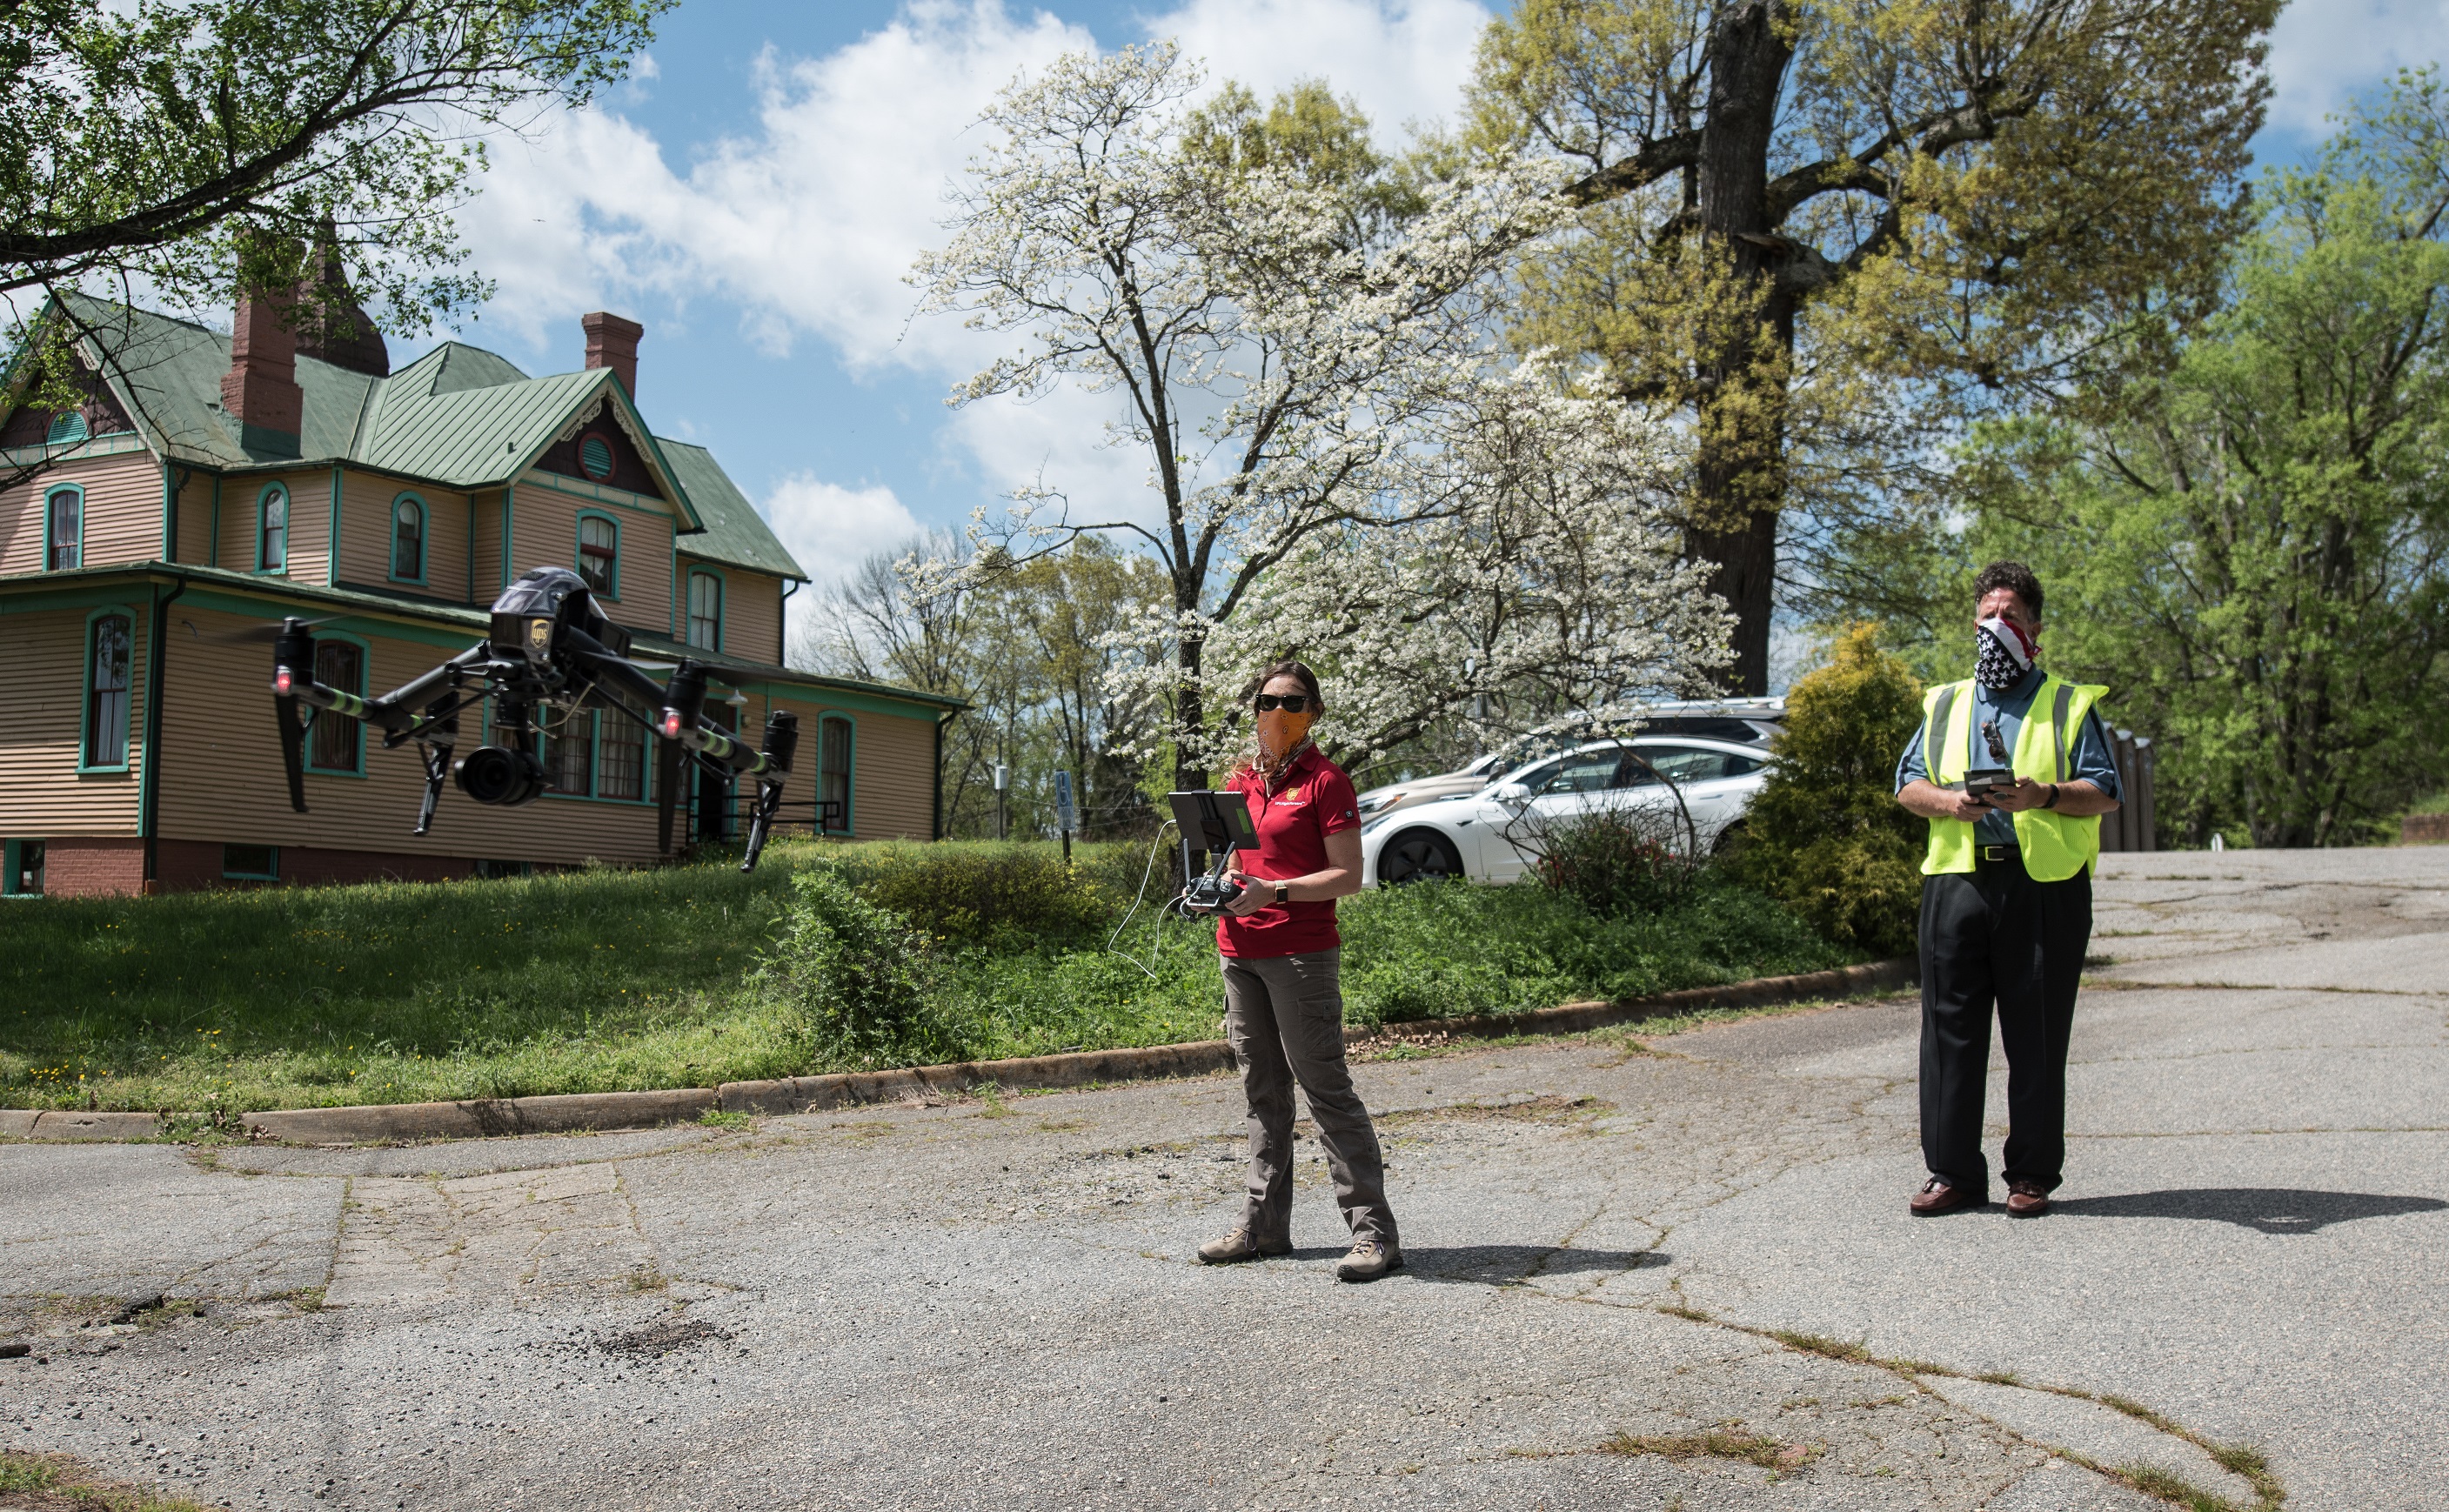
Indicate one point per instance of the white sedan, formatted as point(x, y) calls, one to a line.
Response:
point(1491, 835)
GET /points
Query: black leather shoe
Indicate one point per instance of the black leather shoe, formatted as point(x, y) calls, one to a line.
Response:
point(1939, 1196)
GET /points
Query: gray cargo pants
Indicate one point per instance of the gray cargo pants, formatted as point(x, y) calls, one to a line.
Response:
point(1284, 1017)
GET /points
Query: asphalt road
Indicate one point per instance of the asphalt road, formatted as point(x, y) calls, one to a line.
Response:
point(984, 1304)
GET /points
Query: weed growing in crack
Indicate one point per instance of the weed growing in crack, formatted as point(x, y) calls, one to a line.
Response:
point(2153, 1481)
point(722, 1118)
point(1718, 1444)
point(1821, 1344)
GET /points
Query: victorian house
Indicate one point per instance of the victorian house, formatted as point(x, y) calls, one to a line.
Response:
point(207, 485)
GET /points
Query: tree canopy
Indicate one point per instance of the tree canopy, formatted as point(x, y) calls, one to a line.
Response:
point(1821, 228)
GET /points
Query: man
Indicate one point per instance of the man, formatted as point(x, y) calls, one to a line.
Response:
point(2006, 898)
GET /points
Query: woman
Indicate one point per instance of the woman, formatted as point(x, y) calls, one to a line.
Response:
point(1283, 1006)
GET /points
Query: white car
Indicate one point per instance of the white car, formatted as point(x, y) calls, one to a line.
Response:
point(1488, 835)
point(1744, 720)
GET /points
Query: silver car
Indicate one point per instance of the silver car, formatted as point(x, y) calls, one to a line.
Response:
point(1698, 789)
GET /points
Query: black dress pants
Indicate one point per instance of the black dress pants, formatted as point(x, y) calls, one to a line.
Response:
point(1994, 939)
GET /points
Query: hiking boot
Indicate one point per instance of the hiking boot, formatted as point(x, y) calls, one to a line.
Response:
point(1238, 1246)
point(1368, 1261)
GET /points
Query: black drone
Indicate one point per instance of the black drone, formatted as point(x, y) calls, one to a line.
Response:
point(549, 645)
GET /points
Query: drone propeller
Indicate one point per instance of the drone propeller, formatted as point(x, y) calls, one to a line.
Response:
point(268, 632)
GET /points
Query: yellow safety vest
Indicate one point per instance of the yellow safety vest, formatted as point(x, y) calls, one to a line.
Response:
point(2054, 845)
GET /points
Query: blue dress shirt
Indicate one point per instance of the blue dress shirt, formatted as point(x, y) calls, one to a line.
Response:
point(2087, 758)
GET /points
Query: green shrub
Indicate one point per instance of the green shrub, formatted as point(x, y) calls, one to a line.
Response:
point(862, 980)
point(1826, 835)
point(1613, 860)
point(1006, 897)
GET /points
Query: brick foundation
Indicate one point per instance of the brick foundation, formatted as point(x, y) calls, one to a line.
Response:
point(114, 866)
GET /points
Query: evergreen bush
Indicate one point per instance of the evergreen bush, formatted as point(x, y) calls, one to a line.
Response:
point(861, 979)
point(1825, 833)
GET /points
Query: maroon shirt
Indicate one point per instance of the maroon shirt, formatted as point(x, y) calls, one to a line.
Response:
point(1316, 800)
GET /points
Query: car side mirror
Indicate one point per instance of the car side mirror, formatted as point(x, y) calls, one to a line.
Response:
point(1513, 795)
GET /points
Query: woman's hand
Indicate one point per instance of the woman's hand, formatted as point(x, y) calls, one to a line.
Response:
point(1256, 893)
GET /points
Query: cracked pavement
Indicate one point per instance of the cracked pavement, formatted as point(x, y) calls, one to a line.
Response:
point(995, 1304)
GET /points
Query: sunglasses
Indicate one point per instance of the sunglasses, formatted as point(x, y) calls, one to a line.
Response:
point(1289, 702)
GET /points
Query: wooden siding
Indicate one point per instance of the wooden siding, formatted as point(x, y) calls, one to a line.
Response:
point(220, 772)
point(310, 522)
point(893, 767)
point(544, 532)
point(195, 542)
point(752, 609)
point(42, 793)
point(123, 512)
point(366, 501)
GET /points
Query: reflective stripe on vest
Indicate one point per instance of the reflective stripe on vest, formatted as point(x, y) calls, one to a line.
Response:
point(2054, 845)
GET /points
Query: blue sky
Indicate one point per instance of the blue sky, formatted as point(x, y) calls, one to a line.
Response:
point(755, 194)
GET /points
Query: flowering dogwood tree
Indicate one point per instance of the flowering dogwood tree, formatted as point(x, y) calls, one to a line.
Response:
point(1342, 464)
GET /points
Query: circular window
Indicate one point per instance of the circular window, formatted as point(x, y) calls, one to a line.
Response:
point(67, 428)
point(595, 458)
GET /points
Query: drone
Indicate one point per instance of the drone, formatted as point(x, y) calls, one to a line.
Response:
point(549, 645)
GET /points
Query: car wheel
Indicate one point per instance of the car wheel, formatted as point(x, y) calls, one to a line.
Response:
point(1417, 855)
point(1730, 840)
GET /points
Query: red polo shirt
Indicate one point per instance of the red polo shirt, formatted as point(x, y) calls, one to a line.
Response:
point(1315, 800)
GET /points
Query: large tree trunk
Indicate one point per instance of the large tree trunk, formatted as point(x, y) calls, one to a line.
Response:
point(1189, 713)
point(1749, 339)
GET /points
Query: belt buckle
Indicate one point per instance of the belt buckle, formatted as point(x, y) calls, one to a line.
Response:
point(1997, 852)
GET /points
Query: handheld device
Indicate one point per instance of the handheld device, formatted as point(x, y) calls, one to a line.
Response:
point(1218, 822)
point(1983, 781)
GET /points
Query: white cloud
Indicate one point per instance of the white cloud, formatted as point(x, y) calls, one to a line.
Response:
point(2325, 51)
point(831, 529)
point(806, 226)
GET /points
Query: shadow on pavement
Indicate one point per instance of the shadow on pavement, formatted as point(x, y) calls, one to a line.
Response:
point(2271, 1210)
point(1497, 1264)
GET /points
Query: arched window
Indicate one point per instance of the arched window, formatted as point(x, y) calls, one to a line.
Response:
point(339, 742)
point(63, 528)
point(109, 650)
point(272, 530)
point(68, 427)
point(595, 458)
point(599, 554)
point(833, 771)
point(408, 539)
point(705, 611)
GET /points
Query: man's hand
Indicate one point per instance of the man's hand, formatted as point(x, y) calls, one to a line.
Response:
point(2025, 794)
point(1255, 894)
point(1931, 801)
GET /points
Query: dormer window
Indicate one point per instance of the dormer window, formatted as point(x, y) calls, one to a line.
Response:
point(595, 458)
point(272, 530)
point(599, 554)
point(408, 539)
point(68, 427)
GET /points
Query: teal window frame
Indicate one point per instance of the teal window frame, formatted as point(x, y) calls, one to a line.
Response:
point(274, 874)
point(50, 542)
point(611, 457)
point(84, 704)
point(424, 537)
point(357, 728)
point(826, 719)
point(578, 552)
point(12, 858)
point(605, 717)
point(721, 605)
point(288, 525)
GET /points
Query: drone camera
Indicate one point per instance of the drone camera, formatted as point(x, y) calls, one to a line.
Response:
point(500, 776)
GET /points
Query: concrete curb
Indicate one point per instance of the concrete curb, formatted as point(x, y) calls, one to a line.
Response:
point(604, 1111)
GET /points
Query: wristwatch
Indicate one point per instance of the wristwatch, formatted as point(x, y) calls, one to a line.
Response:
point(1283, 893)
point(2050, 802)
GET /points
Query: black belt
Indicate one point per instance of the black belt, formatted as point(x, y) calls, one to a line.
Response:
point(1998, 853)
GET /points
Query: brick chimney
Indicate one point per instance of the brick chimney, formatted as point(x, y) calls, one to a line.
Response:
point(613, 342)
point(260, 389)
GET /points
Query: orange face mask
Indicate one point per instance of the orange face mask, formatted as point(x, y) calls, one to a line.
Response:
point(1281, 732)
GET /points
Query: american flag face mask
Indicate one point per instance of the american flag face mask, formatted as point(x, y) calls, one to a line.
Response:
point(2007, 654)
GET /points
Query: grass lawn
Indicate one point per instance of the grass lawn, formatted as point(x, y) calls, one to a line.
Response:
point(607, 980)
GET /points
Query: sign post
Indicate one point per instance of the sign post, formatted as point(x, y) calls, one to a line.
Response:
point(1067, 813)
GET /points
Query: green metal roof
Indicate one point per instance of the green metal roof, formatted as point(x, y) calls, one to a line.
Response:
point(735, 534)
point(459, 417)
